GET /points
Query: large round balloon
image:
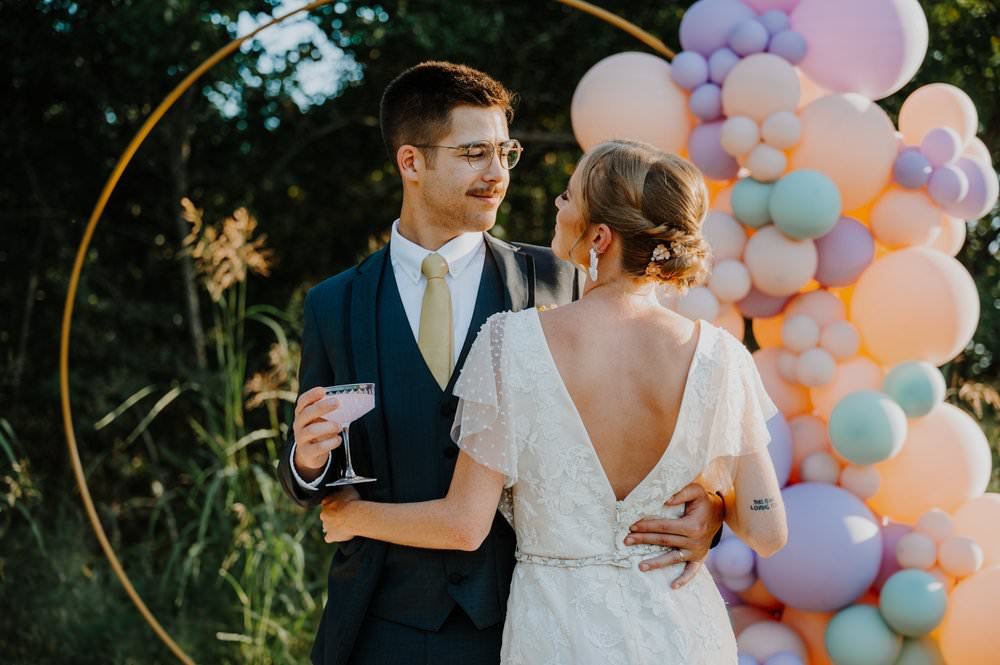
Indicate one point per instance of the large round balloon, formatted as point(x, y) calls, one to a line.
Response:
point(937, 105)
point(920, 652)
point(844, 253)
point(859, 636)
point(779, 265)
point(872, 47)
point(833, 553)
point(944, 463)
point(913, 602)
point(905, 218)
point(867, 427)
point(707, 24)
point(760, 85)
point(968, 633)
point(899, 322)
point(978, 519)
point(790, 398)
point(850, 139)
point(640, 82)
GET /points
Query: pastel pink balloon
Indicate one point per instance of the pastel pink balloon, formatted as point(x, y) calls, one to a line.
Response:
point(698, 303)
point(791, 399)
point(983, 190)
point(905, 218)
point(640, 82)
point(951, 236)
point(766, 163)
point(767, 638)
point(968, 632)
point(872, 47)
point(782, 130)
point(760, 85)
point(730, 281)
point(778, 264)
point(725, 236)
point(788, 366)
point(809, 435)
point(898, 322)
point(811, 91)
point(858, 373)
point(730, 320)
point(960, 556)
point(936, 525)
point(761, 305)
point(820, 305)
point(916, 550)
point(815, 368)
point(762, 6)
point(837, 130)
point(861, 481)
point(937, 105)
point(841, 339)
point(739, 135)
point(978, 518)
point(800, 332)
point(977, 151)
point(892, 532)
point(944, 462)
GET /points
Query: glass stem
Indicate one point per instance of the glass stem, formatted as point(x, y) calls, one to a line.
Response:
point(349, 471)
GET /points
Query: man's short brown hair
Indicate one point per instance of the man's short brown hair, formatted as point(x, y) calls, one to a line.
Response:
point(416, 107)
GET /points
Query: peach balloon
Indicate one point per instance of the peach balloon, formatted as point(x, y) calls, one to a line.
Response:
point(731, 321)
point(800, 332)
point(936, 525)
point(725, 236)
point(791, 399)
point(766, 163)
point(811, 91)
point(858, 373)
point(960, 556)
point(698, 303)
point(905, 218)
point(850, 139)
point(841, 339)
point(788, 366)
point(916, 550)
point(759, 85)
point(780, 265)
point(742, 617)
point(821, 306)
point(978, 519)
point(767, 331)
point(763, 640)
point(809, 435)
point(815, 367)
point(937, 105)
point(944, 462)
point(951, 236)
point(729, 281)
point(658, 108)
point(820, 468)
point(759, 596)
point(899, 322)
point(978, 151)
point(969, 634)
point(811, 627)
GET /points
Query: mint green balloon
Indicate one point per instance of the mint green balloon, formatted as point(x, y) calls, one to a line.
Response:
point(805, 204)
point(859, 636)
point(867, 427)
point(750, 200)
point(916, 386)
point(913, 602)
point(920, 652)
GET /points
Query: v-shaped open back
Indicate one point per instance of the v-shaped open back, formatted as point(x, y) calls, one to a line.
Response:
point(588, 441)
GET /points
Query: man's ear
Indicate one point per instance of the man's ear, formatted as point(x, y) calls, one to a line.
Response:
point(410, 162)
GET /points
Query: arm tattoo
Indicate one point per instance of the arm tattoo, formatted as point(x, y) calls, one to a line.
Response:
point(762, 504)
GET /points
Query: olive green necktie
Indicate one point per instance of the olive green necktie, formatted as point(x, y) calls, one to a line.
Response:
point(436, 331)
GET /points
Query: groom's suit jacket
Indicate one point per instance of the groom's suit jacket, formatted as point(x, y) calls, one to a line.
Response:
point(356, 331)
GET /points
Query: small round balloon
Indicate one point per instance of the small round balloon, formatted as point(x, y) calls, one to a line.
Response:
point(867, 427)
point(805, 204)
point(859, 636)
point(707, 24)
point(977, 519)
point(916, 386)
point(751, 202)
point(760, 85)
point(725, 236)
point(780, 265)
point(913, 602)
point(844, 253)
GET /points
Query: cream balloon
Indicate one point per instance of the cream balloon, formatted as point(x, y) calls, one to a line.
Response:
point(936, 525)
point(820, 468)
point(815, 367)
point(821, 305)
point(791, 399)
point(782, 130)
point(898, 322)
point(861, 481)
point(739, 135)
point(788, 365)
point(841, 339)
point(778, 264)
point(916, 550)
point(906, 218)
point(698, 303)
point(978, 519)
point(858, 373)
point(811, 91)
point(725, 236)
point(960, 556)
point(944, 462)
point(975, 149)
point(766, 163)
point(729, 281)
point(800, 332)
point(809, 435)
point(937, 105)
point(759, 85)
point(767, 638)
point(951, 236)
point(657, 107)
point(836, 130)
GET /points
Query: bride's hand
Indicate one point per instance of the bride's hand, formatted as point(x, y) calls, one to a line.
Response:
point(334, 524)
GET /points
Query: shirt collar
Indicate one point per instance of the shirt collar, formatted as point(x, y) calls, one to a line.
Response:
point(458, 252)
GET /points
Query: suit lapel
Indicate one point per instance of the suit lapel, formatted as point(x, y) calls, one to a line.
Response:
point(514, 267)
point(364, 290)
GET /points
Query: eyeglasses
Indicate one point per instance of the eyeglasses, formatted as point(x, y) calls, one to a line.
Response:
point(480, 154)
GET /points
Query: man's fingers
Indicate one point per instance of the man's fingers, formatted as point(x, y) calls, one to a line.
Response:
point(680, 526)
point(661, 539)
point(690, 570)
point(315, 412)
point(309, 397)
point(318, 432)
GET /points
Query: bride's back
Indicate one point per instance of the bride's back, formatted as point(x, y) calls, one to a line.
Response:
point(625, 372)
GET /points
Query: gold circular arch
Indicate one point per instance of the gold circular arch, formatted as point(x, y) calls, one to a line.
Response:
point(88, 235)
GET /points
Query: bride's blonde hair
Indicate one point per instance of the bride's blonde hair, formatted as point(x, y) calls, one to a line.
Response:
point(655, 202)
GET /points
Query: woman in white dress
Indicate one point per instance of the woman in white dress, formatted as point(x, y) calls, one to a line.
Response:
point(579, 421)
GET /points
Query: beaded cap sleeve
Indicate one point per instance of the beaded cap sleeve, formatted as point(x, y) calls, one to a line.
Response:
point(483, 426)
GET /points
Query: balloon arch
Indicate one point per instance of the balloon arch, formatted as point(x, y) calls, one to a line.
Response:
point(834, 233)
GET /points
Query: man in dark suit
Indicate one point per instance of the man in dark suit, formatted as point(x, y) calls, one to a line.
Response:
point(404, 319)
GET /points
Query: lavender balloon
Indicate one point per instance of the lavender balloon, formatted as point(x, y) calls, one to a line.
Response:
point(748, 37)
point(941, 146)
point(948, 185)
point(707, 24)
point(759, 305)
point(912, 169)
point(983, 190)
point(789, 45)
point(780, 448)
point(706, 152)
point(720, 63)
point(891, 535)
point(844, 253)
point(774, 20)
point(834, 549)
point(689, 70)
point(706, 102)
point(784, 658)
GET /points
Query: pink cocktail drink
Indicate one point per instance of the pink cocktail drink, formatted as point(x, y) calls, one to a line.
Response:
point(353, 401)
point(351, 406)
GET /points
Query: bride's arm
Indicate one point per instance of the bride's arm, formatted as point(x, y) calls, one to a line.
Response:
point(754, 508)
point(459, 521)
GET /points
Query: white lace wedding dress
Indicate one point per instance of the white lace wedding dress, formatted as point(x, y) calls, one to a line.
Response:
point(578, 597)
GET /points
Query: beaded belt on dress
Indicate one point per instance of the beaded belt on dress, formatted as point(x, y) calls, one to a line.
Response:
point(619, 559)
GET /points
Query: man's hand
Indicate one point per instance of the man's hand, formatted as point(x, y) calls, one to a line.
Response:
point(334, 527)
point(691, 534)
point(315, 437)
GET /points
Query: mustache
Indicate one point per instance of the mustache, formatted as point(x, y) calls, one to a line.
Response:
point(486, 192)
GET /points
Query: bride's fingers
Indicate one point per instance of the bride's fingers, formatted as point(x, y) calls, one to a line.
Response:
point(671, 558)
point(690, 570)
point(661, 539)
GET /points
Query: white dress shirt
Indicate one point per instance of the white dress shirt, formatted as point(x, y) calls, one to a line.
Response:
point(466, 256)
